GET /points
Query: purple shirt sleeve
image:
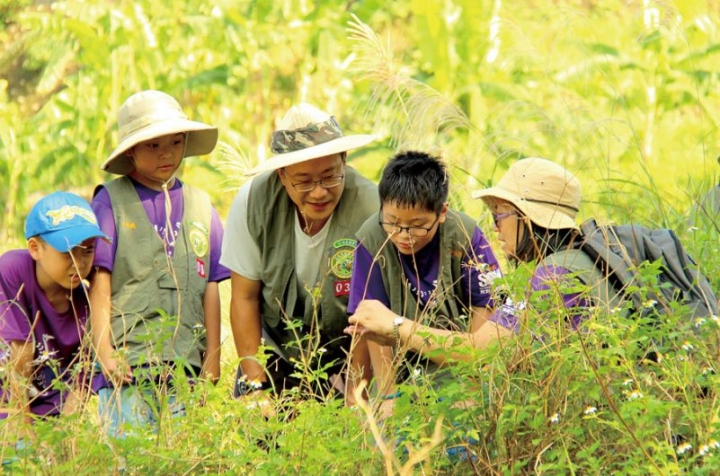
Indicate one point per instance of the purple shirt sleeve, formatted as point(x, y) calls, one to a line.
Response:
point(544, 278)
point(366, 281)
point(105, 252)
point(480, 268)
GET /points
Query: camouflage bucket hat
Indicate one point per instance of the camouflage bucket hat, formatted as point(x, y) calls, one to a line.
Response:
point(307, 133)
point(151, 114)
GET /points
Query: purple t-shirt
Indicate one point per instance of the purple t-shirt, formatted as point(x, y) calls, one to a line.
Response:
point(153, 202)
point(26, 314)
point(367, 281)
point(544, 278)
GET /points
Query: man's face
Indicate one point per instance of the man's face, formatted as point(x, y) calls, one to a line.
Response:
point(315, 201)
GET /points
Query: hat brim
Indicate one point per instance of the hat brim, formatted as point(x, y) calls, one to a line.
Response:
point(69, 238)
point(201, 140)
point(335, 146)
point(545, 215)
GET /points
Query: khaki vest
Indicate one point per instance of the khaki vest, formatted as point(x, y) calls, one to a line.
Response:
point(452, 306)
point(157, 301)
point(318, 312)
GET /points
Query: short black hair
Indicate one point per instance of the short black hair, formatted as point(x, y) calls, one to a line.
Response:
point(413, 178)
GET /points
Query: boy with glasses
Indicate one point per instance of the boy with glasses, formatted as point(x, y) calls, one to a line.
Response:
point(420, 270)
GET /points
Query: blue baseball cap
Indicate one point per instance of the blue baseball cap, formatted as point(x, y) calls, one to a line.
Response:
point(64, 220)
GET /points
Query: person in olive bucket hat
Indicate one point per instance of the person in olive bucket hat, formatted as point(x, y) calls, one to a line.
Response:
point(155, 297)
point(289, 245)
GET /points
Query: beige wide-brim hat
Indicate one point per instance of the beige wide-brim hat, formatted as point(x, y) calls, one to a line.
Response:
point(307, 133)
point(548, 194)
point(150, 114)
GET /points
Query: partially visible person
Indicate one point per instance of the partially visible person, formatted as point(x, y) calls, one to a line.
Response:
point(705, 213)
point(155, 297)
point(44, 310)
point(289, 244)
point(422, 277)
point(534, 207)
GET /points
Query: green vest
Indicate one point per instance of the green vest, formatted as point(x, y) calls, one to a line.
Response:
point(157, 301)
point(322, 311)
point(599, 289)
point(452, 306)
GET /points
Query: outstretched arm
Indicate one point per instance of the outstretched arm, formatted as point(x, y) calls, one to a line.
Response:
point(375, 321)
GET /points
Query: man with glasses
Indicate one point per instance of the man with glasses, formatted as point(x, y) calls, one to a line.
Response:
point(421, 271)
point(289, 244)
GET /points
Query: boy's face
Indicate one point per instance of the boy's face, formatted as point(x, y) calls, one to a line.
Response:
point(156, 160)
point(410, 228)
point(54, 268)
point(317, 205)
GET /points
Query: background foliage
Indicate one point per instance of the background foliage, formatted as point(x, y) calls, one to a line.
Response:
point(625, 93)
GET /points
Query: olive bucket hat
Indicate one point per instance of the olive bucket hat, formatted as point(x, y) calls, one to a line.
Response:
point(150, 114)
point(307, 133)
point(545, 192)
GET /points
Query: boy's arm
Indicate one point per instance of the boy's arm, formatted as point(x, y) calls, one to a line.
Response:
point(360, 370)
point(211, 307)
point(385, 376)
point(100, 292)
point(246, 325)
point(374, 320)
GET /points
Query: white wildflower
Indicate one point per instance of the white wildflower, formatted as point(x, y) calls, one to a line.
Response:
point(713, 444)
point(627, 382)
point(692, 229)
point(704, 449)
point(687, 346)
point(555, 418)
point(700, 321)
point(683, 448)
point(322, 350)
point(708, 370)
point(590, 410)
point(649, 303)
point(635, 394)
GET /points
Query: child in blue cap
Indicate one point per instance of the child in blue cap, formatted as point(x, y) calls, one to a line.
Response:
point(44, 307)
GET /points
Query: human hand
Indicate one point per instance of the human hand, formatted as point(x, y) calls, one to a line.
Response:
point(374, 321)
point(115, 369)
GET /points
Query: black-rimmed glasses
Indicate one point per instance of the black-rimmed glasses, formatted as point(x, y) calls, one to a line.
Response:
point(416, 231)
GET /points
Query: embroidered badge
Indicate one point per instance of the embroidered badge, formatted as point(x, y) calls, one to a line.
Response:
point(199, 239)
point(341, 261)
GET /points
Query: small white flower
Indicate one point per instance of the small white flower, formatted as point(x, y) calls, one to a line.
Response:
point(713, 444)
point(555, 418)
point(649, 303)
point(715, 319)
point(704, 449)
point(687, 346)
point(683, 448)
point(615, 310)
point(417, 371)
point(708, 370)
point(692, 229)
point(635, 394)
point(627, 382)
point(681, 358)
point(590, 410)
point(700, 321)
point(322, 350)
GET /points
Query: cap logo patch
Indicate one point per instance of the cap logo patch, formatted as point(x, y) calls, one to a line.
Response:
point(68, 212)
